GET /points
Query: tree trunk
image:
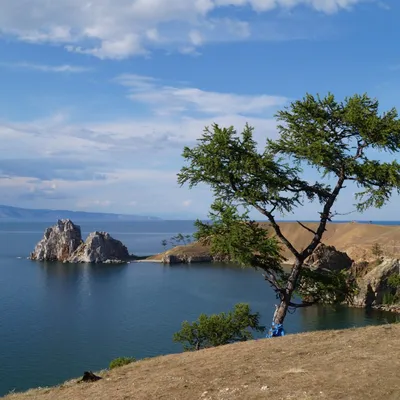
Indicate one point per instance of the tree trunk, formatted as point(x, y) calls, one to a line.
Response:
point(280, 312)
point(281, 309)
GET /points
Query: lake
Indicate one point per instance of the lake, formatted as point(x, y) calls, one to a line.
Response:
point(58, 320)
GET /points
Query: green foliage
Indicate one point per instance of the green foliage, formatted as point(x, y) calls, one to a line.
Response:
point(164, 244)
point(394, 281)
point(337, 139)
point(121, 361)
point(376, 250)
point(389, 299)
point(219, 329)
point(180, 239)
point(235, 237)
point(327, 287)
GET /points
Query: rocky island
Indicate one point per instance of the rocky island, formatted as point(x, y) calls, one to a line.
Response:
point(63, 242)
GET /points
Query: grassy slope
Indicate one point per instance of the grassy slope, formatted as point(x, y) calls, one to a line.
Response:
point(354, 364)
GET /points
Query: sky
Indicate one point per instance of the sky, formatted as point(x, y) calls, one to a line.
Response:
point(99, 98)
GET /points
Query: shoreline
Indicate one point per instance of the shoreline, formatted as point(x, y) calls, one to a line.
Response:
point(188, 375)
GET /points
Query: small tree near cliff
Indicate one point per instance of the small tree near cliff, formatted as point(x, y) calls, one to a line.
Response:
point(376, 250)
point(219, 329)
point(338, 140)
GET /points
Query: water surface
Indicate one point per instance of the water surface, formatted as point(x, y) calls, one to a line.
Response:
point(58, 320)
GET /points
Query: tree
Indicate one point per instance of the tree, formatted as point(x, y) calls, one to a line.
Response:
point(219, 329)
point(164, 244)
point(120, 362)
point(180, 238)
point(338, 141)
point(376, 250)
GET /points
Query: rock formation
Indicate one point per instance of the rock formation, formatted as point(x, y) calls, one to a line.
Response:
point(59, 242)
point(100, 247)
point(372, 282)
point(63, 242)
point(327, 257)
point(185, 259)
point(187, 254)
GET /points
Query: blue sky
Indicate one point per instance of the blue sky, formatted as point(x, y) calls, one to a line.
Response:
point(98, 98)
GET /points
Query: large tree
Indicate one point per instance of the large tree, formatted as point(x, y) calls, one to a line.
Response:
point(343, 141)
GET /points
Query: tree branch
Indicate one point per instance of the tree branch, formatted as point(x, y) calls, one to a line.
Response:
point(278, 231)
point(325, 216)
point(360, 149)
point(302, 305)
point(272, 280)
point(307, 228)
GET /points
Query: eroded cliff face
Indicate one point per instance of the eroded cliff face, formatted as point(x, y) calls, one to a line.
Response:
point(373, 281)
point(59, 242)
point(63, 242)
point(100, 247)
point(329, 258)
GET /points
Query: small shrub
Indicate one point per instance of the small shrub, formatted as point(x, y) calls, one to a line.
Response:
point(120, 362)
point(388, 299)
point(219, 329)
point(377, 250)
point(394, 281)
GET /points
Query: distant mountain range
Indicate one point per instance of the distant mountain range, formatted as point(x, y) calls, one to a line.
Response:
point(8, 213)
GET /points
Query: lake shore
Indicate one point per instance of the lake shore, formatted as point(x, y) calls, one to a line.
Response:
point(331, 365)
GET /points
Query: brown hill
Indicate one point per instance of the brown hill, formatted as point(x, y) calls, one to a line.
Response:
point(354, 364)
point(353, 238)
point(356, 239)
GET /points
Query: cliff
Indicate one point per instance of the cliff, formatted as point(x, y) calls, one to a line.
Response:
point(63, 242)
point(355, 364)
point(374, 284)
point(59, 242)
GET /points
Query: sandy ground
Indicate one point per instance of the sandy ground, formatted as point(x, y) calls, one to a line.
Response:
point(354, 364)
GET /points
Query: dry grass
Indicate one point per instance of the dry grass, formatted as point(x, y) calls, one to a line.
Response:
point(354, 364)
point(355, 239)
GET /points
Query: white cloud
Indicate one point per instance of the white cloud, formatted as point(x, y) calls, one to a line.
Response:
point(171, 99)
point(66, 68)
point(121, 28)
point(119, 166)
point(195, 38)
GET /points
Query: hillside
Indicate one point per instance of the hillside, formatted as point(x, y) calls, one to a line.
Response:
point(355, 239)
point(8, 213)
point(354, 364)
point(350, 237)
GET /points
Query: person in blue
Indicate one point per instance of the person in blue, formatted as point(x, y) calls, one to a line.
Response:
point(276, 329)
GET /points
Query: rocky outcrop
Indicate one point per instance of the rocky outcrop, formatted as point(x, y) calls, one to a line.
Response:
point(185, 259)
point(59, 242)
point(372, 282)
point(63, 242)
point(328, 258)
point(100, 247)
point(186, 254)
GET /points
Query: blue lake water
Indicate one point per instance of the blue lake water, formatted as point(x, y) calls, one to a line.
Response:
point(58, 320)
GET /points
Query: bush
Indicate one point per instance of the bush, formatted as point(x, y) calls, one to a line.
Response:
point(394, 281)
point(389, 299)
point(219, 329)
point(120, 362)
point(377, 250)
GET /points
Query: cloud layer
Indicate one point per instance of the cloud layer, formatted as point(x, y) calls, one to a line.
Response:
point(171, 99)
point(125, 165)
point(118, 29)
point(65, 68)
